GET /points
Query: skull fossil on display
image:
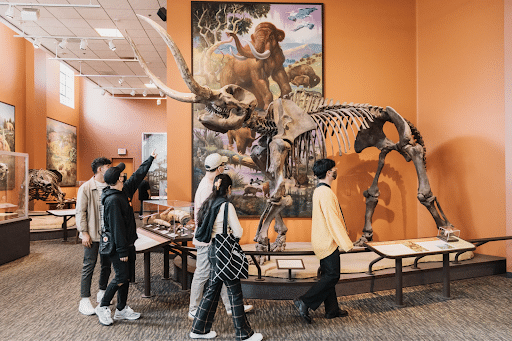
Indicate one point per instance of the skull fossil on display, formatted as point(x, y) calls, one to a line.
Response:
point(228, 108)
point(3, 171)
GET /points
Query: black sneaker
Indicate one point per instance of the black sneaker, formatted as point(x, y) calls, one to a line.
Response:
point(338, 313)
point(303, 310)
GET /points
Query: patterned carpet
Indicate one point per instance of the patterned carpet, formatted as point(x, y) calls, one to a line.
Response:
point(39, 297)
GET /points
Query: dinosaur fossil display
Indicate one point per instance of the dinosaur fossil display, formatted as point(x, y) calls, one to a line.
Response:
point(45, 183)
point(292, 129)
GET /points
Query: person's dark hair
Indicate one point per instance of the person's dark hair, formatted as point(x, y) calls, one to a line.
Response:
point(321, 167)
point(222, 181)
point(97, 163)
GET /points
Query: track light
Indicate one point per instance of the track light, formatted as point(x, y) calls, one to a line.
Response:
point(121, 81)
point(161, 93)
point(63, 43)
point(132, 93)
point(83, 44)
point(145, 93)
point(103, 92)
point(10, 12)
point(36, 43)
point(158, 101)
point(111, 45)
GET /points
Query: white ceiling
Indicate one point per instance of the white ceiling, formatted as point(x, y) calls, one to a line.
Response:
point(81, 22)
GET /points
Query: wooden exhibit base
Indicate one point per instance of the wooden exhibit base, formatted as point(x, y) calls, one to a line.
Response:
point(358, 283)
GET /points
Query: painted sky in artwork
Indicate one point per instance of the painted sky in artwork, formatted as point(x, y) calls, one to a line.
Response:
point(279, 15)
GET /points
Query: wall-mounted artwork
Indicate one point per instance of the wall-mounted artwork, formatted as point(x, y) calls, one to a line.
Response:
point(61, 150)
point(269, 49)
point(158, 172)
point(7, 126)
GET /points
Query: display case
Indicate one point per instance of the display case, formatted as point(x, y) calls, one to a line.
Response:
point(14, 220)
point(172, 218)
point(13, 186)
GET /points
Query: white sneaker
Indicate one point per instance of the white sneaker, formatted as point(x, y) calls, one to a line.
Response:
point(99, 296)
point(86, 307)
point(209, 335)
point(255, 337)
point(192, 315)
point(247, 308)
point(126, 314)
point(104, 315)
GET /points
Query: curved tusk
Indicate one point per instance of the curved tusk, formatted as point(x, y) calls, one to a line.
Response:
point(196, 88)
point(236, 56)
point(258, 55)
point(179, 96)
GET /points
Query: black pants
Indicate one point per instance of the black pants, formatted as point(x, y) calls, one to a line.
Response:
point(141, 212)
point(208, 306)
point(324, 290)
point(120, 283)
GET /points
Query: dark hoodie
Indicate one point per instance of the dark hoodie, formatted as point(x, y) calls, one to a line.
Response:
point(118, 214)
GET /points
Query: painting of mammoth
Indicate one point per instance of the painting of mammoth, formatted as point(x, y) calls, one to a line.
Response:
point(255, 46)
point(256, 62)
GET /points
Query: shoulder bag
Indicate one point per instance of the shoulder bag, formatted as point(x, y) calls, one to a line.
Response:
point(231, 262)
point(106, 242)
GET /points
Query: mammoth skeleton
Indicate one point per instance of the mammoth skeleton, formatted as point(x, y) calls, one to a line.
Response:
point(291, 127)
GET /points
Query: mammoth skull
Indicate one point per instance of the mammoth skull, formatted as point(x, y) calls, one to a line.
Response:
point(228, 108)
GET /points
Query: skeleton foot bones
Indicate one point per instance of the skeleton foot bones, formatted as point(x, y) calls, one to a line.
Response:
point(293, 129)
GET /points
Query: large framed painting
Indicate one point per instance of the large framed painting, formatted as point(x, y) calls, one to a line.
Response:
point(157, 175)
point(286, 54)
point(7, 126)
point(61, 151)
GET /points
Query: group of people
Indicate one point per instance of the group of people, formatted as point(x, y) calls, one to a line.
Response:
point(105, 189)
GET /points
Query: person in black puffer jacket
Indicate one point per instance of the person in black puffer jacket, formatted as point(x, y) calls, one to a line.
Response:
point(119, 219)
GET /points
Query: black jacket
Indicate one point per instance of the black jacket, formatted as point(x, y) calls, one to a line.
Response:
point(118, 215)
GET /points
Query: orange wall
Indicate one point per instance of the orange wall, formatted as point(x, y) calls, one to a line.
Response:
point(12, 77)
point(461, 113)
point(107, 124)
point(30, 81)
point(369, 57)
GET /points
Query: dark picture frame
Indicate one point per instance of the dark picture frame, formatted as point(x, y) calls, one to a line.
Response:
point(301, 27)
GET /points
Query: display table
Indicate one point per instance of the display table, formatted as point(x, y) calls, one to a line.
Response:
point(153, 238)
point(66, 215)
point(418, 248)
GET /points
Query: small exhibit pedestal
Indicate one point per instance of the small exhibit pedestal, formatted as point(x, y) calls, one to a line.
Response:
point(14, 240)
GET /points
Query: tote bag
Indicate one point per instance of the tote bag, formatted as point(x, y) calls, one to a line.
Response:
point(231, 261)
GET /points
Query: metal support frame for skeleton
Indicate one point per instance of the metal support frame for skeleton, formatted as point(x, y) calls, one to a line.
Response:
point(292, 127)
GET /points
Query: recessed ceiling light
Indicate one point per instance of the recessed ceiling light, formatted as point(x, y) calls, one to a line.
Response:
point(109, 32)
point(150, 85)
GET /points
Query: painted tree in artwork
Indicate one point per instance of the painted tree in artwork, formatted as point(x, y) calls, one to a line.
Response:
point(211, 20)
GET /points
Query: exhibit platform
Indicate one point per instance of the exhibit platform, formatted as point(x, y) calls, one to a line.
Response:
point(275, 284)
point(44, 226)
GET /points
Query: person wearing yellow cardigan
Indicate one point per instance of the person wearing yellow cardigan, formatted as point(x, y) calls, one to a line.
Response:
point(328, 236)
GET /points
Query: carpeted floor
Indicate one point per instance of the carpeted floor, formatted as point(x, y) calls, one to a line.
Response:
point(39, 297)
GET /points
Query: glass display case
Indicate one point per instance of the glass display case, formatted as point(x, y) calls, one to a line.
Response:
point(172, 218)
point(13, 186)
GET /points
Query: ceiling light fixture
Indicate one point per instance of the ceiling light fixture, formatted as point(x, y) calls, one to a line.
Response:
point(158, 101)
point(103, 92)
point(161, 94)
point(121, 81)
point(111, 45)
point(10, 12)
point(36, 43)
point(145, 93)
point(63, 43)
point(132, 93)
point(30, 14)
point(83, 44)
